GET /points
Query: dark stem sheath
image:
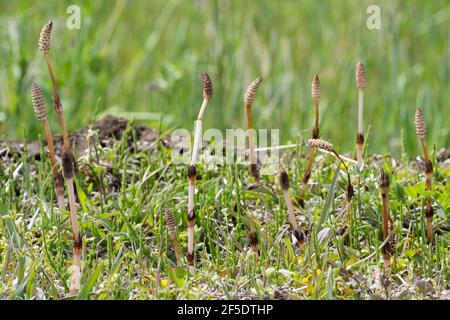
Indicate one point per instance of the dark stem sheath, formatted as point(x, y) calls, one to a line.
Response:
point(254, 240)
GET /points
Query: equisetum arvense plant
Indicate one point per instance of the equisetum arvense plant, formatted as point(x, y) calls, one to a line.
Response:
point(421, 130)
point(192, 172)
point(315, 95)
point(325, 145)
point(284, 184)
point(172, 229)
point(44, 46)
point(388, 224)
point(67, 161)
point(40, 109)
point(360, 77)
point(249, 98)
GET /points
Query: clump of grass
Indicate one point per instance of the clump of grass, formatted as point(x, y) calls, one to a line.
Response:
point(421, 130)
point(315, 95)
point(249, 98)
point(68, 161)
point(360, 77)
point(192, 171)
point(172, 228)
point(388, 224)
point(299, 234)
point(40, 110)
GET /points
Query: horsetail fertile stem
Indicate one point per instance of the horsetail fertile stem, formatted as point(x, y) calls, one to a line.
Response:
point(421, 130)
point(40, 110)
point(44, 46)
point(284, 183)
point(387, 221)
point(361, 84)
point(192, 172)
point(68, 159)
point(315, 94)
point(249, 98)
point(68, 170)
point(325, 145)
point(172, 228)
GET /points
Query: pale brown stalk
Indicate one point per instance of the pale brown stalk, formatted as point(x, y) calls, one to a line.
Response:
point(68, 170)
point(40, 109)
point(192, 172)
point(421, 130)
point(315, 95)
point(360, 77)
point(44, 46)
point(249, 98)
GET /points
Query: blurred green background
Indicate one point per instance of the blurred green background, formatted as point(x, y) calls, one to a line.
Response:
point(144, 58)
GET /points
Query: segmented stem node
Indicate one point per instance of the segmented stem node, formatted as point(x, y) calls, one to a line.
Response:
point(207, 86)
point(192, 172)
point(384, 179)
point(68, 165)
point(250, 94)
point(320, 144)
point(44, 38)
point(421, 127)
point(315, 88)
point(37, 98)
point(360, 75)
point(284, 180)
